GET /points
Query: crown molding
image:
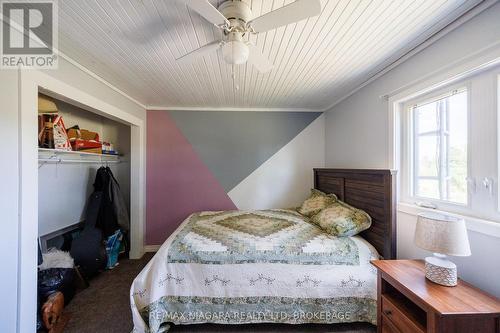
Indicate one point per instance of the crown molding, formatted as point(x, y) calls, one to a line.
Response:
point(229, 109)
point(99, 78)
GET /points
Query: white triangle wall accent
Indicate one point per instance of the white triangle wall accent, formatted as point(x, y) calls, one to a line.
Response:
point(284, 180)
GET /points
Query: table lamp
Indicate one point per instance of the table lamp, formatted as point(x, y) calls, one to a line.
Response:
point(443, 235)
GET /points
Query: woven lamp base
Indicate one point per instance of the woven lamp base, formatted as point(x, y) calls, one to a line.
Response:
point(441, 271)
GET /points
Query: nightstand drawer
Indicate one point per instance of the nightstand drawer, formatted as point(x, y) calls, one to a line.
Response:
point(396, 315)
point(388, 326)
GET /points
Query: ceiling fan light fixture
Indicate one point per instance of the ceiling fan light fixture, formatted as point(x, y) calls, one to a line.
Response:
point(237, 23)
point(235, 52)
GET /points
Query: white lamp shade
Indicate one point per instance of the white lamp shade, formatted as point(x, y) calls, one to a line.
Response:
point(442, 234)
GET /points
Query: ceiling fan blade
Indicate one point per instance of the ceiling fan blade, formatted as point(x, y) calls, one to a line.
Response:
point(257, 59)
point(200, 52)
point(209, 12)
point(294, 12)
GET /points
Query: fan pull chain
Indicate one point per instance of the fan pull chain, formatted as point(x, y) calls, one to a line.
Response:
point(236, 86)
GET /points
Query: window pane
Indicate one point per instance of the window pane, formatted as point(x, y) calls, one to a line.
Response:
point(440, 146)
point(427, 156)
point(458, 148)
point(427, 118)
point(428, 188)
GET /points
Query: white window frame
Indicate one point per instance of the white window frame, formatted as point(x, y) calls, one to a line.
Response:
point(407, 175)
point(484, 61)
point(483, 145)
point(412, 143)
point(497, 108)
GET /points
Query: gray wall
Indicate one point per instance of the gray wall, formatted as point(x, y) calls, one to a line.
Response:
point(357, 134)
point(234, 144)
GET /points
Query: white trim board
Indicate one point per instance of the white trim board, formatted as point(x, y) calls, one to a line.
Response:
point(151, 248)
point(473, 64)
point(482, 226)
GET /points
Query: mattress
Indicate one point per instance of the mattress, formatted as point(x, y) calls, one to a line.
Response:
point(238, 267)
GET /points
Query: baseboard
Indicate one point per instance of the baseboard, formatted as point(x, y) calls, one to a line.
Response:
point(151, 248)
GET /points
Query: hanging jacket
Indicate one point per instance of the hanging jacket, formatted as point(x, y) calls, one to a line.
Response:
point(119, 204)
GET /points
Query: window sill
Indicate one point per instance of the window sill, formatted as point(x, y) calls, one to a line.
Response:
point(482, 226)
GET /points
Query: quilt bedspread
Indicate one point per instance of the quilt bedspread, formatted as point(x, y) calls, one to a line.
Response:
point(268, 236)
point(254, 266)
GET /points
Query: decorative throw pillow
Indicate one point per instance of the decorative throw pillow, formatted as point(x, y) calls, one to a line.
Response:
point(342, 220)
point(316, 202)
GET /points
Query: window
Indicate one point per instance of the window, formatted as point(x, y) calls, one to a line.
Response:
point(440, 147)
point(449, 147)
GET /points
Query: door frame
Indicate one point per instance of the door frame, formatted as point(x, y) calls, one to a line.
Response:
point(30, 84)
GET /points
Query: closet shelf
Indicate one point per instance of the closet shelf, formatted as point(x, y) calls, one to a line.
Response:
point(65, 152)
point(46, 155)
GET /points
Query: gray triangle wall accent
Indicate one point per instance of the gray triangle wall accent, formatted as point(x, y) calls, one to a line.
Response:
point(234, 144)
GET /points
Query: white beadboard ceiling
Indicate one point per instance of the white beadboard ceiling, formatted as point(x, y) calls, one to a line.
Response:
point(133, 45)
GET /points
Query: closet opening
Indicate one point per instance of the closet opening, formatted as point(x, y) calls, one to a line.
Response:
point(84, 201)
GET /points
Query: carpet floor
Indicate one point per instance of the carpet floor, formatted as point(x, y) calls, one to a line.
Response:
point(104, 307)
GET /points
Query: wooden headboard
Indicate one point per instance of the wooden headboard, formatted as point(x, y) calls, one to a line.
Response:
point(373, 191)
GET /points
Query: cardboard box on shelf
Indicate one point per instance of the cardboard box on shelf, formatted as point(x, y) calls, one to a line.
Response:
point(89, 135)
point(76, 133)
point(86, 145)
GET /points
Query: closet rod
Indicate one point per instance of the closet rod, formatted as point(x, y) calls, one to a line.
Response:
point(60, 160)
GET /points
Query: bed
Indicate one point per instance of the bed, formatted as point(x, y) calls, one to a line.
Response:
point(274, 266)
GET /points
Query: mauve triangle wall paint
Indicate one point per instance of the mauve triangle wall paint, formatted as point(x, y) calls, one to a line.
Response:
point(178, 182)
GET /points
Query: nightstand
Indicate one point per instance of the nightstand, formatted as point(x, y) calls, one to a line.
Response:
point(408, 302)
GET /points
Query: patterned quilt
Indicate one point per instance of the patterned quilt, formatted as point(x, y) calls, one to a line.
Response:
point(251, 267)
point(268, 236)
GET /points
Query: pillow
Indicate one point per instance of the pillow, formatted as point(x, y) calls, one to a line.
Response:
point(342, 220)
point(316, 202)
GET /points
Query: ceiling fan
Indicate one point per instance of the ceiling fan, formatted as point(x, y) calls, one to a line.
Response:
point(235, 20)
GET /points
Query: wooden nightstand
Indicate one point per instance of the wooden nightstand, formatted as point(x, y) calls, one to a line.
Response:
point(407, 302)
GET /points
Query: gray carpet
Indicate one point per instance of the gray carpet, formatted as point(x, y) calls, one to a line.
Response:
point(104, 307)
